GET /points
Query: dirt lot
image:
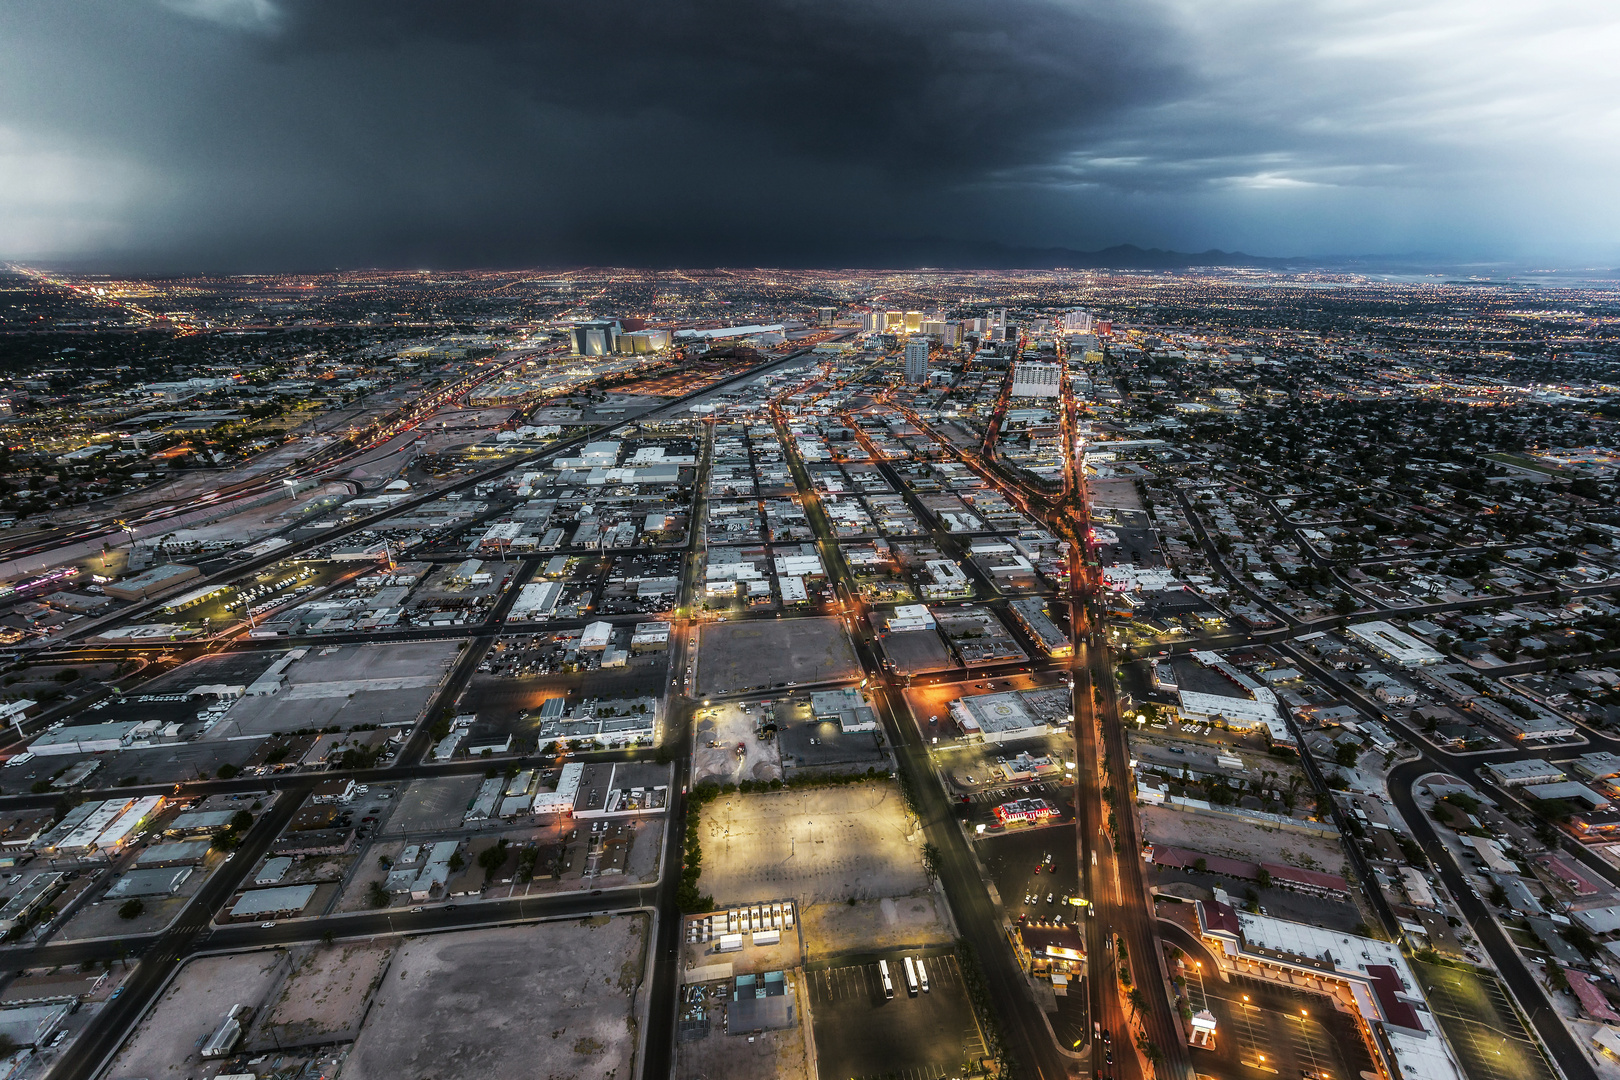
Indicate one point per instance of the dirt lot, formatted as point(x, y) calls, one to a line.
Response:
point(323, 998)
point(736, 656)
point(1237, 839)
point(727, 725)
point(782, 1055)
point(357, 896)
point(166, 1043)
point(556, 999)
point(904, 922)
point(823, 844)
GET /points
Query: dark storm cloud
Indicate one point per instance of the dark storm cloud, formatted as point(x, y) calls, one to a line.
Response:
point(241, 134)
point(914, 86)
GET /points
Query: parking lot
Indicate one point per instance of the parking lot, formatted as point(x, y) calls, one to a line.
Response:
point(1035, 864)
point(1481, 1025)
point(732, 656)
point(860, 1033)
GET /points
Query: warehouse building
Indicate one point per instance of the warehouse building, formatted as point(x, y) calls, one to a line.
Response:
point(1394, 645)
point(165, 881)
point(267, 903)
point(152, 582)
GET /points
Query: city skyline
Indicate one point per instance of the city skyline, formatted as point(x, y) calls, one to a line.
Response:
point(266, 135)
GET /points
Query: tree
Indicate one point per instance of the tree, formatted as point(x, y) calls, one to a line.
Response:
point(376, 895)
point(491, 858)
point(241, 821)
point(931, 859)
point(456, 862)
point(1345, 754)
point(131, 909)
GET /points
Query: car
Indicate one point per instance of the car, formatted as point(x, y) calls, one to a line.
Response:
point(1108, 1036)
point(114, 995)
point(596, 892)
point(416, 909)
point(266, 925)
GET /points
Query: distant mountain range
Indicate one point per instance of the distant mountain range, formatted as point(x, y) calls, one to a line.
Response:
point(944, 254)
point(989, 255)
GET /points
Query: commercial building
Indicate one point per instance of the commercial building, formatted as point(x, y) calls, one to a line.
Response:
point(29, 900)
point(562, 799)
point(623, 789)
point(153, 581)
point(259, 903)
point(1031, 614)
point(1367, 978)
point(1033, 811)
point(199, 822)
point(536, 601)
point(650, 637)
point(594, 338)
point(1527, 771)
point(174, 853)
point(848, 708)
point(997, 718)
point(1394, 645)
point(917, 361)
point(165, 881)
point(84, 739)
point(1237, 712)
point(1032, 378)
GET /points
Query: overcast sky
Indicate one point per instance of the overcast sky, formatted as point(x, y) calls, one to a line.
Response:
point(305, 134)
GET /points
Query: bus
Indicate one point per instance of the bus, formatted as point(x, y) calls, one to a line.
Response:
point(888, 983)
point(922, 974)
point(911, 977)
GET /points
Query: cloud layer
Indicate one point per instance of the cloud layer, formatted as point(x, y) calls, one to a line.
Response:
point(263, 134)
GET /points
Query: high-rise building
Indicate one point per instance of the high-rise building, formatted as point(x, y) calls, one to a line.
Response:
point(895, 321)
point(1077, 321)
point(824, 316)
point(1035, 379)
point(594, 338)
point(917, 360)
point(913, 321)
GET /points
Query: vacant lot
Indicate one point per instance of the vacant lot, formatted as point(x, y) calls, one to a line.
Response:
point(199, 997)
point(1236, 839)
point(718, 732)
point(323, 998)
point(556, 999)
point(894, 922)
point(736, 656)
point(824, 844)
